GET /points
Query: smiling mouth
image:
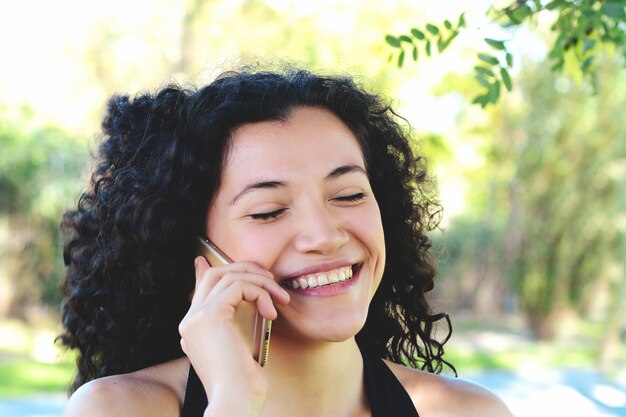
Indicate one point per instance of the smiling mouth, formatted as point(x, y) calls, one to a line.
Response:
point(321, 279)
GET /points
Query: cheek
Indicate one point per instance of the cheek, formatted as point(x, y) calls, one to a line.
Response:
point(375, 226)
point(262, 245)
point(374, 236)
point(367, 227)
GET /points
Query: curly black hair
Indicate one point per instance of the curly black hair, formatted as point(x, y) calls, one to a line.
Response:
point(129, 245)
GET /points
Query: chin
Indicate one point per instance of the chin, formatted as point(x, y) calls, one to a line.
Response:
point(326, 330)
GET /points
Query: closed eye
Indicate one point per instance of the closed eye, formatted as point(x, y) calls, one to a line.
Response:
point(351, 197)
point(263, 217)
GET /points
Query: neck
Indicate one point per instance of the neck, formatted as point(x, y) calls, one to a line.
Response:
point(322, 378)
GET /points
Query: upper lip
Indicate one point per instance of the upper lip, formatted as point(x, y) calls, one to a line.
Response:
point(316, 269)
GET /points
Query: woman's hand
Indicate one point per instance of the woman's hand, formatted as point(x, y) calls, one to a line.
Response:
point(210, 338)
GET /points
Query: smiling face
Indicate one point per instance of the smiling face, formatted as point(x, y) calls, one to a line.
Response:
point(295, 198)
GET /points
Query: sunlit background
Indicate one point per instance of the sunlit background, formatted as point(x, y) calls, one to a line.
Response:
point(531, 243)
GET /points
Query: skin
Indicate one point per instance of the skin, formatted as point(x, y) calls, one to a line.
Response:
point(287, 207)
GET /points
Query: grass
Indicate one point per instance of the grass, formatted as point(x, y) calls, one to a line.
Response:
point(25, 377)
point(505, 344)
point(544, 355)
point(30, 362)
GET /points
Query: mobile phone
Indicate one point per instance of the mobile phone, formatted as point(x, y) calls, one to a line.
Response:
point(255, 329)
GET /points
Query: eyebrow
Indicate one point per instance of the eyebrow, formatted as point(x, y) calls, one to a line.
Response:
point(261, 185)
point(345, 169)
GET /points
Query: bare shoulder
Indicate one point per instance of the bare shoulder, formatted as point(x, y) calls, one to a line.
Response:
point(154, 391)
point(441, 396)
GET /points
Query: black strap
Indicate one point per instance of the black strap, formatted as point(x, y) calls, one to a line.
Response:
point(385, 394)
point(195, 402)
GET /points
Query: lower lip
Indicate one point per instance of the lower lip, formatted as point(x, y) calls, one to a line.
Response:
point(327, 290)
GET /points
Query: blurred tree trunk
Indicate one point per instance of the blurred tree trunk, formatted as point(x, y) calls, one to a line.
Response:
point(193, 14)
point(616, 320)
point(615, 324)
point(6, 285)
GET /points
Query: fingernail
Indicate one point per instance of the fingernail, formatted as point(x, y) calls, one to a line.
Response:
point(195, 262)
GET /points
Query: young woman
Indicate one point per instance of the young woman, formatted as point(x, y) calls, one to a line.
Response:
point(310, 186)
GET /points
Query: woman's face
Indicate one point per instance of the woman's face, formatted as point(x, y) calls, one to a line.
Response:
point(295, 198)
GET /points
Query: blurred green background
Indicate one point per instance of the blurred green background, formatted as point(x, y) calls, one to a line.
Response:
point(532, 240)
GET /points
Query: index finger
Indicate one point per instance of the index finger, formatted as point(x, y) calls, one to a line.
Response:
point(207, 276)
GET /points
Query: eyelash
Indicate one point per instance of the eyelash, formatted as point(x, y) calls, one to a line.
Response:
point(351, 198)
point(263, 217)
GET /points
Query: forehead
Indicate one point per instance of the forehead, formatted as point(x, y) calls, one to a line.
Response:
point(311, 141)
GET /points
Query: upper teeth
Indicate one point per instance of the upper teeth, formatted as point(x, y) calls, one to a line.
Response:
point(321, 279)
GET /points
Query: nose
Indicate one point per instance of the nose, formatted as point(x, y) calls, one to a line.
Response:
point(320, 231)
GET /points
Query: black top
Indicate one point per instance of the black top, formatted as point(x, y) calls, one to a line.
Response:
point(386, 396)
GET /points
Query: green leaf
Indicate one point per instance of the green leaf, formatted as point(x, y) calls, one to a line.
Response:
point(556, 52)
point(518, 15)
point(401, 59)
point(495, 44)
point(588, 44)
point(489, 59)
point(447, 24)
point(559, 41)
point(614, 10)
point(432, 28)
point(428, 48)
point(393, 41)
point(477, 99)
point(390, 57)
point(440, 45)
point(509, 60)
point(558, 66)
point(506, 79)
point(405, 38)
point(588, 13)
point(483, 81)
point(414, 52)
point(494, 93)
point(461, 22)
point(556, 4)
point(605, 27)
point(586, 64)
point(482, 99)
point(418, 34)
point(484, 71)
